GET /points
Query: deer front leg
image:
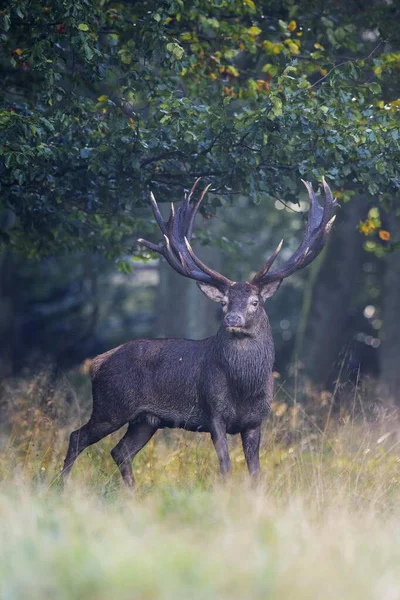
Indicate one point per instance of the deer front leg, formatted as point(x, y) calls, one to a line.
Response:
point(251, 449)
point(218, 436)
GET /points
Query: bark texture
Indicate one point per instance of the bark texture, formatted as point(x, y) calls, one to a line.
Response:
point(334, 285)
point(7, 313)
point(390, 348)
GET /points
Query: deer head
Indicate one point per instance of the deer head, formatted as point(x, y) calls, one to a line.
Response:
point(241, 302)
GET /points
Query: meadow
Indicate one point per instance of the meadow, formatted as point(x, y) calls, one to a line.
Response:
point(323, 521)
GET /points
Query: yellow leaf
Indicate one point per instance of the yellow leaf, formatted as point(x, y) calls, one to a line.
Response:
point(271, 48)
point(373, 213)
point(233, 71)
point(187, 36)
point(18, 51)
point(293, 46)
point(102, 98)
point(254, 31)
point(292, 25)
point(318, 46)
point(367, 227)
point(384, 235)
point(250, 3)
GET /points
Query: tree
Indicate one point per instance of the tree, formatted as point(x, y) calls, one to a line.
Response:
point(390, 374)
point(104, 101)
point(330, 298)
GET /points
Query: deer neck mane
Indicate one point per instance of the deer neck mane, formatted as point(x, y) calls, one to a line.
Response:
point(247, 359)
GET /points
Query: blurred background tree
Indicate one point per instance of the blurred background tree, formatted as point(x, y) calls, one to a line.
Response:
point(102, 102)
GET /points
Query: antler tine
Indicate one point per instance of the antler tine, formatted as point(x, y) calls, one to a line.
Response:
point(320, 221)
point(269, 263)
point(313, 253)
point(199, 263)
point(328, 193)
point(178, 265)
point(166, 252)
point(330, 201)
point(177, 251)
point(192, 190)
point(203, 193)
point(170, 223)
point(195, 210)
point(315, 211)
point(149, 245)
point(157, 215)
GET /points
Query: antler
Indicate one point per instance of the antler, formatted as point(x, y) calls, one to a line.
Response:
point(177, 233)
point(320, 221)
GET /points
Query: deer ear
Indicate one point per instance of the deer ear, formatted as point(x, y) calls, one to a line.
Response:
point(269, 289)
point(211, 291)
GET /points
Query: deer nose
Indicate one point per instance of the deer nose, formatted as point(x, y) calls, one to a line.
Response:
point(234, 320)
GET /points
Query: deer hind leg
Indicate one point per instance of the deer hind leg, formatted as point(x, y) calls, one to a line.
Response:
point(136, 437)
point(80, 439)
point(251, 449)
point(218, 436)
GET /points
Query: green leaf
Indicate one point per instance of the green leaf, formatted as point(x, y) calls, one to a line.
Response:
point(88, 51)
point(276, 110)
point(83, 27)
point(380, 167)
point(176, 50)
point(272, 69)
point(375, 87)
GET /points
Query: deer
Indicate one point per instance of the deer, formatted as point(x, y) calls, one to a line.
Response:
point(219, 385)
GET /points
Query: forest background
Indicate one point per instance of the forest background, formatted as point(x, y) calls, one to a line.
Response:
point(103, 102)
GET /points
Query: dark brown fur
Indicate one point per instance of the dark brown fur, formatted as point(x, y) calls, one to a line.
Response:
point(220, 385)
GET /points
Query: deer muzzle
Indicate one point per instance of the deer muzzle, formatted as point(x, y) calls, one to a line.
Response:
point(234, 321)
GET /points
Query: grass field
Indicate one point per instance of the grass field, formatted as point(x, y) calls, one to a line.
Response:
point(324, 521)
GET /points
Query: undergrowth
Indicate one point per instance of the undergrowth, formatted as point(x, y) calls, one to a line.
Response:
point(323, 521)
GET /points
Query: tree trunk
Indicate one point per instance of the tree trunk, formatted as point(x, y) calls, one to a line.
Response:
point(7, 330)
point(390, 348)
point(329, 300)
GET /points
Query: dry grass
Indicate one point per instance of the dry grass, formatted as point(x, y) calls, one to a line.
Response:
point(324, 521)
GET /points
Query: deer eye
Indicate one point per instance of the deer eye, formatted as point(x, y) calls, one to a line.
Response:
point(223, 303)
point(255, 302)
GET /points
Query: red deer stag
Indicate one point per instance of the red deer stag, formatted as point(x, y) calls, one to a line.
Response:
point(220, 385)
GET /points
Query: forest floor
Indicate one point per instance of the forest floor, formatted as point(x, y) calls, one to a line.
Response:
point(324, 520)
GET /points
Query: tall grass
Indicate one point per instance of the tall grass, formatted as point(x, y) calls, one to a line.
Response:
point(324, 521)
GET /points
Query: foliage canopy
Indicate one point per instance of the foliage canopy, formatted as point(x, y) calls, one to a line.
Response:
point(102, 102)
